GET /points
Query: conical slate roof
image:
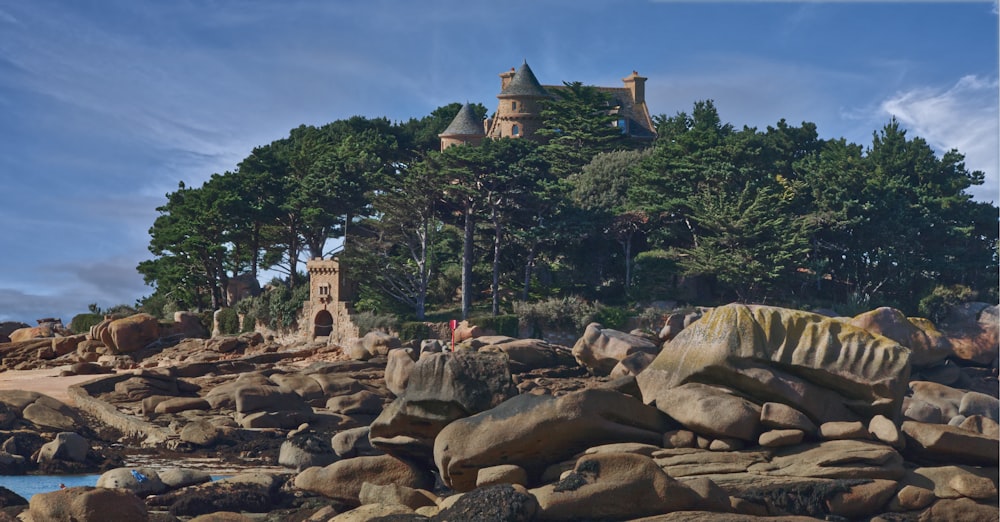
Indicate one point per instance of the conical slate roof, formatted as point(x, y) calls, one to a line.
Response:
point(465, 124)
point(524, 83)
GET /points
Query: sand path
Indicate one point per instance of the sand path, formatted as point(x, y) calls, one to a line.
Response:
point(45, 381)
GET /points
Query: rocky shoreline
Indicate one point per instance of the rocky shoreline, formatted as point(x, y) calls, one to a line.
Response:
point(732, 413)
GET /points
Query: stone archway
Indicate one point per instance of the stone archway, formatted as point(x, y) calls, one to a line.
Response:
point(323, 324)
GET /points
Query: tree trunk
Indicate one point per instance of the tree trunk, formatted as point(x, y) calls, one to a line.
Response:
point(497, 234)
point(628, 262)
point(529, 267)
point(467, 263)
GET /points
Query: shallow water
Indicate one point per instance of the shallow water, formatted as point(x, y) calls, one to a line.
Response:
point(28, 485)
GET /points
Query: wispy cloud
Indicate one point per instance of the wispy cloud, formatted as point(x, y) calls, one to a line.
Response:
point(963, 117)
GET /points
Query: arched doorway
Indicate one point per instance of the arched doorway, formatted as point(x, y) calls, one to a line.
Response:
point(323, 324)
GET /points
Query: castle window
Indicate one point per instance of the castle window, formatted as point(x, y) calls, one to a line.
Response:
point(324, 290)
point(513, 106)
point(515, 130)
point(623, 125)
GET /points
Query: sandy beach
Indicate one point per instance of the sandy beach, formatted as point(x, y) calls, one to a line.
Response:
point(45, 381)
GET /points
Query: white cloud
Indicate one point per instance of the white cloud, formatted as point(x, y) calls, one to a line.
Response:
point(963, 117)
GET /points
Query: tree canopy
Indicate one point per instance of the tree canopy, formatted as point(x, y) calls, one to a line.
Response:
point(709, 212)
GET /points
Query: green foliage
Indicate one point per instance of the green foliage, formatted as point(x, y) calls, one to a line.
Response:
point(610, 316)
point(249, 323)
point(777, 215)
point(81, 323)
point(577, 125)
point(502, 324)
point(229, 321)
point(414, 330)
point(655, 271)
point(554, 314)
point(370, 322)
point(938, 304)
point(278, 307)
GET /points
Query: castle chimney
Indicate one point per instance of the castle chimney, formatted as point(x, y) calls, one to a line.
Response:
point(636, 85)
point(505, 78)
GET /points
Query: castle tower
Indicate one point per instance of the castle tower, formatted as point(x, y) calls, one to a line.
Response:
point(465, 128)
point(519, 112)
point(327, 313)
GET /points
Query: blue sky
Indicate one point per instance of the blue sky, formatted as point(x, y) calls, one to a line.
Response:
point(106, 106)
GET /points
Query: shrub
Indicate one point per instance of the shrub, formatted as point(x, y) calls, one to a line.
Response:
point(229, 321)
point(81, 323)
point(414, 331)
point(278, 307)
point(655, 271)
point(249, 323)
point(938, 304)
point(567, 313)
point(610, 316)
point(501, 324)
point(370, 322)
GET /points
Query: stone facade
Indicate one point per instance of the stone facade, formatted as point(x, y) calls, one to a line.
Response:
point(519, 110)
point(328, 311)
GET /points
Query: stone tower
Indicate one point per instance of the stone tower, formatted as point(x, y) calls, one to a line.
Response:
point(328, 312)
point(519, 112)
point(465, 128)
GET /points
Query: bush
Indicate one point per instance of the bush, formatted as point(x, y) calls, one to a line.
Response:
point(249, 323)
point(229, 321)
point(501, 324)
point(414, 331)
point(370, 322)
point(278, 308)
point(938, 304)
point(610, 316)
point(567, 313)
point(655, 271)
point(81, 323)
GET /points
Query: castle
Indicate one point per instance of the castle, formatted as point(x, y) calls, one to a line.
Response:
point(518, 113)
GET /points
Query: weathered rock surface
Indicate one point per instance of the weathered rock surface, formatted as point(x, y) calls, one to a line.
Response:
point(535, 431)
point(601, 349)
point(87, 504)
point(830, 370)
point(442, 387)
point(342, 480)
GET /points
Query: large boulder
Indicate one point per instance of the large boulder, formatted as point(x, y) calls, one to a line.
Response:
point(44, 412)
point(613, 486)
point(712, 411)
point(131, 333)
point(523, 354)
point(305, 449)
point(442, 387)
point(975, 334)
point(378, 343)
point(500, 502)
point(141, 481)
point(352, 443)
point(87, 504)
point(534, 431)
point(30, 332)
point(601, 349)
point(829, 370)
point(342, 480)
point(950, 444)
point(835, 459)
point(66, 446)
point(927, 345)
point(267, 398)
